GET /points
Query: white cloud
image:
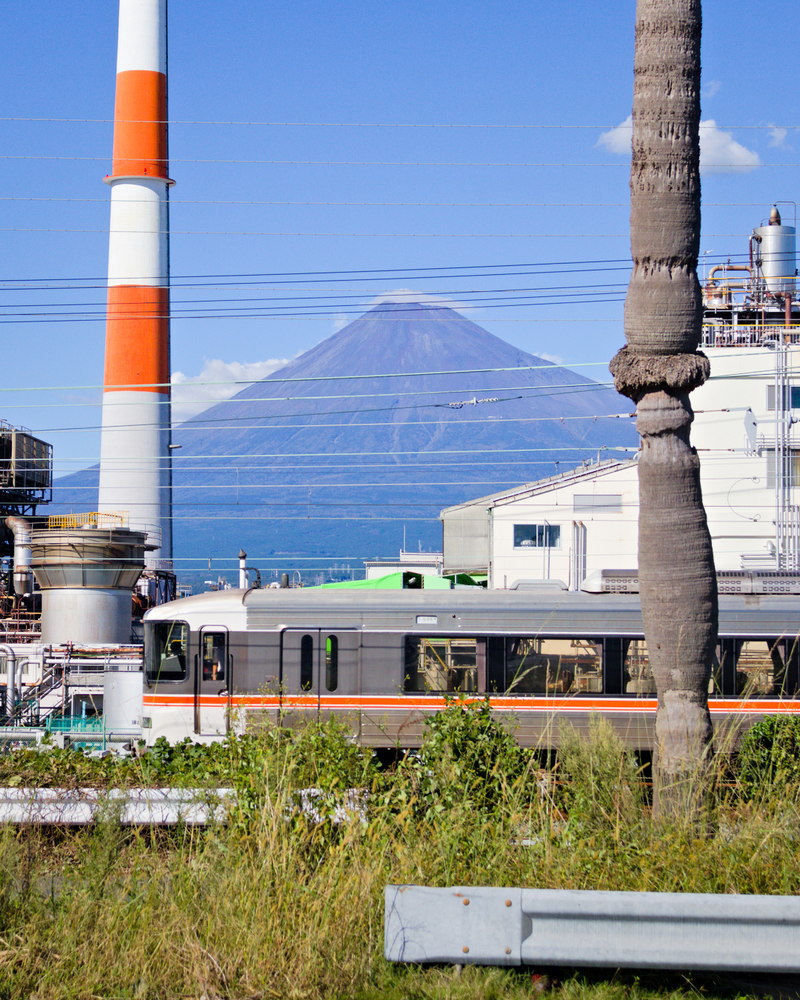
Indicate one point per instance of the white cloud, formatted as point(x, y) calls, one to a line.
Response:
point(191, 394)
point(618, 140)
point(777, 135)
point(556, 359)
point(720, 153)
point(711, 89)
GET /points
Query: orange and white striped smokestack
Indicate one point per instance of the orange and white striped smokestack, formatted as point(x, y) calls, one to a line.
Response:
point(135, 468)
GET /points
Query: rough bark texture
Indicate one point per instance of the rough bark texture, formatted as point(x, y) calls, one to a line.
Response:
point(657, 369)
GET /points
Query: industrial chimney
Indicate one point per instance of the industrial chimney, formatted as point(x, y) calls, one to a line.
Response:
point(135, 465)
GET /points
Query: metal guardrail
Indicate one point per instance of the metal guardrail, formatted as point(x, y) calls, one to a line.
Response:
point(128, 806)
point(92, 519)
point(550, 927)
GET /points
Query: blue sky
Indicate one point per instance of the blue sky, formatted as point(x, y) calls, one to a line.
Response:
point(503, 172)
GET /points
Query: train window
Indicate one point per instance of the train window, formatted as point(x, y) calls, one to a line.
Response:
point(760, 666)
point(639, 679)
point(441, 664)
point(541, 536)
point(553, 666)
point(715, 680)
point(636, 666)
point(166, 651)
point(331, 663)
point(306, 663)
point(213, 646)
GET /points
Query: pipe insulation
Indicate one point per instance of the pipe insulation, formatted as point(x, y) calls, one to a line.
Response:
point(23, 574)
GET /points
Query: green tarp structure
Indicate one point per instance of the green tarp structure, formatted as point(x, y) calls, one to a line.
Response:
point(405, 581)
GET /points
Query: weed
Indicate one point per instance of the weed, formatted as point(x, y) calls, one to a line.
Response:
point(275, 905)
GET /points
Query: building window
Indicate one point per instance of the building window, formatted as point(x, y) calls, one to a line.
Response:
point(611, 502)
point(792, 468)
point(540, 536)
point(792, 397)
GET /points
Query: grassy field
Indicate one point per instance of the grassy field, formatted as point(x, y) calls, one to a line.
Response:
point(273, 904)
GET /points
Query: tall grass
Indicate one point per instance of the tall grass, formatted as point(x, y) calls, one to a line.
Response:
point(274, 905)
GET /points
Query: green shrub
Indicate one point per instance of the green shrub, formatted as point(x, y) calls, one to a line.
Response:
point(467, 757)
point(770, 754)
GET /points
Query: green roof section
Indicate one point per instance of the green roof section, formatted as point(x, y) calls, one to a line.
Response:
point(405, 581)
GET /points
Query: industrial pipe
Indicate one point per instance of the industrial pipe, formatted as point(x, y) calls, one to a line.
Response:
point(23, 575)
point(11, 677)
point(728, 267)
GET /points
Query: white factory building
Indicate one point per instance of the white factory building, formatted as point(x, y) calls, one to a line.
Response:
point(574, 525)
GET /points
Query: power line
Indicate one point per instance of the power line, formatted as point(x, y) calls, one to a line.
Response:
point(335, 204)
point(280, 233)
point(559, 126)
point(310, 379)
point(370, 271)
point(244, 280)
point(359, 296)
point(235, 161)
point(325, 311)
point(241, 161)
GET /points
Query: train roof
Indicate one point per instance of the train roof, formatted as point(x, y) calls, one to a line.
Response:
point(543, 610)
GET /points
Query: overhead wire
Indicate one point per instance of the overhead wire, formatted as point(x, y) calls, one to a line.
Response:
point(343, 295)
point(559, 126)
point(243, 279)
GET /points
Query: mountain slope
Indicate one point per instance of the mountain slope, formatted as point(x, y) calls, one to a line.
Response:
point(373, 431)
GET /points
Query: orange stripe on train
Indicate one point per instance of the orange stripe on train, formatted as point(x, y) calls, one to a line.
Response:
point(389, 703)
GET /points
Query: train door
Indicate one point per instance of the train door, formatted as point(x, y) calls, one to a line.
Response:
point(212, 683)
point(319, 668)
point(300, 675)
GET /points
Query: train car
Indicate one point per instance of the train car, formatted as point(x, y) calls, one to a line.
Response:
point(381, 660)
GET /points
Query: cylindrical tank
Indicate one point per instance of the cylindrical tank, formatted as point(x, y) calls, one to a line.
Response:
point(122, 699)
point(87, 576)
point(776, 252)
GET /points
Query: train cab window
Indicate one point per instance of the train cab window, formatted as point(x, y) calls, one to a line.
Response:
point(442, 664)
point(213, 646)
point(637, 672)
point(760, 667)
point(553, 666)
point(166, 651)
point(331, 663)
point(307, 663)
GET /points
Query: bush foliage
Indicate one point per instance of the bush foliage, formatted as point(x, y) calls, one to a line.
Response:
point(278, 903)
point(770, 754)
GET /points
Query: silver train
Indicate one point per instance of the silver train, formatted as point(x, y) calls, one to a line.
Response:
point(381, 660)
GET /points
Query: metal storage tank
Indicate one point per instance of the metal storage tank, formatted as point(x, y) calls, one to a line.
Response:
point(775, 255)
point(87, 575)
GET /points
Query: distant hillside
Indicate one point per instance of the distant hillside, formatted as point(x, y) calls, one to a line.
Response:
point(339, 451)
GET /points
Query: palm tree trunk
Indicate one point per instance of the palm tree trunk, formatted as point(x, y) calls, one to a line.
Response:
point(658, 368)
